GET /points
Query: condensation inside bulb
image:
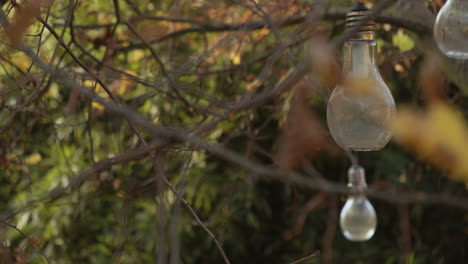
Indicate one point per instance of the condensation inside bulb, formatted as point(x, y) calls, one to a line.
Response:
point(451, 29)
point(358, 219)
point(360, 110)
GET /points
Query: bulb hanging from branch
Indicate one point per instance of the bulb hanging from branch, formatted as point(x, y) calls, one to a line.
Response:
point(451, 29)
point(358, 219)
point(360, 109)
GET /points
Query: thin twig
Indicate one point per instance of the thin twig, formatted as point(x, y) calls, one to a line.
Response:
point(315, 254)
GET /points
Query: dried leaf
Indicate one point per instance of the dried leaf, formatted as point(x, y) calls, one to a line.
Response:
point(323, 62)
point(121, 86)
point(431, 80)
point(23, 18)
point(303, 135)
point(72, 104)
point(152, 30)
point(360, 86)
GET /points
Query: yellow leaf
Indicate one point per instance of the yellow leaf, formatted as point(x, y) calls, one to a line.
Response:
point(97, 106)
point(22, 61)
point(88, 83)
point(439, 135)
point(125, 83)
point(252, 84)
point(101, 92)
point(33, 159)
point(261, 33)
point(235, 58)
point(136, 55)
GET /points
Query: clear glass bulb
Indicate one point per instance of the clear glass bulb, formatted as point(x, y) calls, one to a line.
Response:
point(358, 219)
point(360, 109)
point(451, 29)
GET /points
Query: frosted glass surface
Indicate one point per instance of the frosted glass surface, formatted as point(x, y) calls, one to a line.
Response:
point(360, 110)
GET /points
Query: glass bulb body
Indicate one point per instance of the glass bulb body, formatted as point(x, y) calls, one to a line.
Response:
point(360, 109)
point(451, 29)
point(358, 219)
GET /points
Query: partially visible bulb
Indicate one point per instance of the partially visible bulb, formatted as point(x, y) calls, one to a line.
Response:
point(358, 219)
point(451, 29)
point(360, 109)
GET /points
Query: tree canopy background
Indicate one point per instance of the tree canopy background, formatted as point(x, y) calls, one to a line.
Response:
point(172, 131)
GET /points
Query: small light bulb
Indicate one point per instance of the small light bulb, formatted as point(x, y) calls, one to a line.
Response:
point(451, 29)
point(360, 109)
point(358, 219)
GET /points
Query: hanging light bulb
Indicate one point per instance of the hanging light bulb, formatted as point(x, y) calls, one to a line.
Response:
point(359, 109)
point(451, 29)
point(358, 219)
